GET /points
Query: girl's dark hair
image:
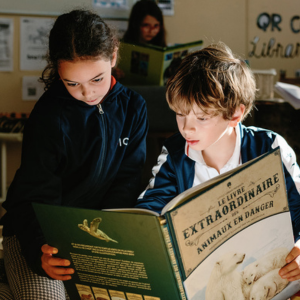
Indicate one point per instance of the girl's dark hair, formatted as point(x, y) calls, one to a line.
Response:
point(139, 11)
point(79, 34)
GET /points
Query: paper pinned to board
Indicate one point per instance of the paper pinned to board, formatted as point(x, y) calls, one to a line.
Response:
point(289, 92)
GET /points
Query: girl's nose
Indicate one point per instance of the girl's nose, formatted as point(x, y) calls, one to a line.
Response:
point(86, 91)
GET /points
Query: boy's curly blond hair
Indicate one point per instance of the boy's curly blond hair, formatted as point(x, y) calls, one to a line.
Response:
point(213, 79)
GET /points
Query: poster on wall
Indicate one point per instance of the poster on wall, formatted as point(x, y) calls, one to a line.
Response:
point(167, 7)
point(32, 89)
point(33, 42)
point(6, 44)
point(114, 4)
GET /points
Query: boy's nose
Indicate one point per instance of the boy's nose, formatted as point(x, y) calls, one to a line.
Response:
point(188, 125)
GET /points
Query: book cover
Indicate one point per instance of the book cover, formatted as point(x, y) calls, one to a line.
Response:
point(123, 254)
point(225, 239)
point(234, 236)
point(152, 65)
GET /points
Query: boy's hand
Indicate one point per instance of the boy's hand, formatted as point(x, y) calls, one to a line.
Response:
point(53, 265)
point(291, 271)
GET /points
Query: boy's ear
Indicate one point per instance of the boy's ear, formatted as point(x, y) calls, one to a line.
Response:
point(238, 116)
point(114, 58)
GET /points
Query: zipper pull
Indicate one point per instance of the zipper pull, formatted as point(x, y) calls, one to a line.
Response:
point(101, 112)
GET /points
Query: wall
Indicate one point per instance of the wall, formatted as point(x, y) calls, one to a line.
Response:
point(231, 21)
point(279, 29)
point(209, 20)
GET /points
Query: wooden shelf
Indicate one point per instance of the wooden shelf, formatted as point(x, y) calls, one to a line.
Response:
point(11, 137)
point(4, 139)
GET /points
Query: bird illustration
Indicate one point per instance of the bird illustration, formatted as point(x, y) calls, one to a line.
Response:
point(94, 230)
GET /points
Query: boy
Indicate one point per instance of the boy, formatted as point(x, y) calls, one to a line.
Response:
point(211, 92)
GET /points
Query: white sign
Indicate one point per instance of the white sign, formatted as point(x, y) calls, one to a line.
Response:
point(6, 44)
point(32, 89)
point(115, 4)
point(34, 41)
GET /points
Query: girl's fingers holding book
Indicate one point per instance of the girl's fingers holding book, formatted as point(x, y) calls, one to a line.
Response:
point(55, 261)
point(55, 267)
point(49, 250)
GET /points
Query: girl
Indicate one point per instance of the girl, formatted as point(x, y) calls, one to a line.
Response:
point(83, 146)
point(146, 24)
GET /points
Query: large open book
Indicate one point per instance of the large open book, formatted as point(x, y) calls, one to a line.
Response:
point(289, 92)
point(224, 239)
point(152, 65)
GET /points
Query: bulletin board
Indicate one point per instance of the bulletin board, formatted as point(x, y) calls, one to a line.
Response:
point(57, 7)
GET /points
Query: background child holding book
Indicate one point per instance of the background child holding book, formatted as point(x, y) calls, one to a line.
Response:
point(211, 93)
point(146, 24)
point(83, 146)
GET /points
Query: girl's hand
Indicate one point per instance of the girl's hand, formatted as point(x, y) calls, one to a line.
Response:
point(291, 271)
point(54, 266)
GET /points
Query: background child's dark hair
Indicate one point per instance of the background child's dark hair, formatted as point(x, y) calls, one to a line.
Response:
point(79, 34)
point(139, 11)
point(213, 79)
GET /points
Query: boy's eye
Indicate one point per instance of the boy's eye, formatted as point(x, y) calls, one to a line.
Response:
point(72, 84)
point(179, 115)
point(202, 119)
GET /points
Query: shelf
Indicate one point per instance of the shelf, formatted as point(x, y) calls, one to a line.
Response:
point(6, 138)
point(273, 100)
point(11, 137)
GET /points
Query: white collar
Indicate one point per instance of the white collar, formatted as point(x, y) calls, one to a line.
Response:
point(234, 161)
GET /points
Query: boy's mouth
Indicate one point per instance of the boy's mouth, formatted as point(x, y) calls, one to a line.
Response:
point(192, 142)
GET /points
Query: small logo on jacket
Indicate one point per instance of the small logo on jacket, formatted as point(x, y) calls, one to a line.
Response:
point(123, 142)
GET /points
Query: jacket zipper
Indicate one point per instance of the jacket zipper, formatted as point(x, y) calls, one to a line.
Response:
point(101, 112)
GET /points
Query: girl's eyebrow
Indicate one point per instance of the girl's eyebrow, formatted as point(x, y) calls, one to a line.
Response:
point(65, 79)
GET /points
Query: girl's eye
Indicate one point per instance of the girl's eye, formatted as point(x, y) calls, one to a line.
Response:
point(179, 115)
point(202, 119)
point(97, 79)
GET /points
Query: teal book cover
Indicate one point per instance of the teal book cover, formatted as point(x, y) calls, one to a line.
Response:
point(120, 256)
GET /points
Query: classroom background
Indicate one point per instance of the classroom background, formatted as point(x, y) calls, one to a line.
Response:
point(264, 32)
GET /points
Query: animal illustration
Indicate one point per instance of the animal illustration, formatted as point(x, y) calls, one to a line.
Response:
point(272, 260)
point(268, 286)
point(94, 230)
point(225, 282)
point(246, 288)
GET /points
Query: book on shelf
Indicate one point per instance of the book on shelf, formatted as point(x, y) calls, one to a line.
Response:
point(289, 92)
point(145, 64)
point(205, 241)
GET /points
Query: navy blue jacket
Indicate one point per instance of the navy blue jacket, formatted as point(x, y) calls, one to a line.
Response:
point(72, 155)
point(175, 171)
